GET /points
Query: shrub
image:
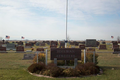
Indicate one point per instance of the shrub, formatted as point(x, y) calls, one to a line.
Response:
point(41, 58)
point(36, 67)
point(70, 72)
point(87, 69)
point(89, 58)
point(53, 70)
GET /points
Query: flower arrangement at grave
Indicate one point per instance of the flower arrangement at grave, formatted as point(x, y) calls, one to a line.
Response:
point(41, 58)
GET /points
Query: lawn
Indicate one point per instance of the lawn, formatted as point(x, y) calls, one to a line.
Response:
point(12, 67)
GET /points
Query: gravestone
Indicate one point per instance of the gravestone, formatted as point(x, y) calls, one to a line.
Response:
point(20, 49)
point(20, 43)
point(48, 42)
point(115, 47)
point(10, 46)
point(90, 43)
point(37, 44)
point(42, 44)
point(82, 46)
point(116, 51)
point(40, 49)
point(103, 42)
point(53, 44)
point(62, 45)
point(2, 49)
point(114, 42)
point(28, 45)
point(102, 47)
point(82, 42)
point(76, 43)
point(28, 56)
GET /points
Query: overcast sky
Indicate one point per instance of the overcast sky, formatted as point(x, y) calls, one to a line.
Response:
point(45, 19)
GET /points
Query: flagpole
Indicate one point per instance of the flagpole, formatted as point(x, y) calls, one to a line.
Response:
point(66, 21)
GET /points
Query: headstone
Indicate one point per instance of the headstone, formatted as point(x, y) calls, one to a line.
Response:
point(28, 56)
point(103, 42)
point(40, 49)
point(116, 51)
point(115, 47)
point(90, 43)
point(53, 44)
point(102, 47)
point(2, 49)
point(20, 43)
point(11, 46)
point(82, 46)
point(37, 44)
point(114, 42)
point(28, 45)
point(42, 44)
point(19, 49)
point(76, 43)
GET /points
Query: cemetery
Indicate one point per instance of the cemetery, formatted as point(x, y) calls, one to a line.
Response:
point(56, 61)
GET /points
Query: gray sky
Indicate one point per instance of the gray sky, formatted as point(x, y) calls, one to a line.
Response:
point(45, 19)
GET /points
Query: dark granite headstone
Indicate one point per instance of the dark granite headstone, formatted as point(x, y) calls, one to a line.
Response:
point(2, 49)
point(90, 43)
point(40, 49)
point(28, 45)
point(102, 47)
point(115, 47)
point(53, 44)
point(28, 56)
point(20, 43)
point(103, 42)
point(19, 49)
point(114, 42)
point(116, 51)
point(82, 46)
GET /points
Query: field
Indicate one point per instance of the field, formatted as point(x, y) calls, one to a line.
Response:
point(12, 67)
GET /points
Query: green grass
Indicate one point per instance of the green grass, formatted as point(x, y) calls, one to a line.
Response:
point(12, 67)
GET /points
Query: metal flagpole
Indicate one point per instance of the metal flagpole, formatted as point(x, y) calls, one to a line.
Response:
point(66, 22)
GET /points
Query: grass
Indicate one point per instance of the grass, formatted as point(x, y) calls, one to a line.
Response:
point(12, 67)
